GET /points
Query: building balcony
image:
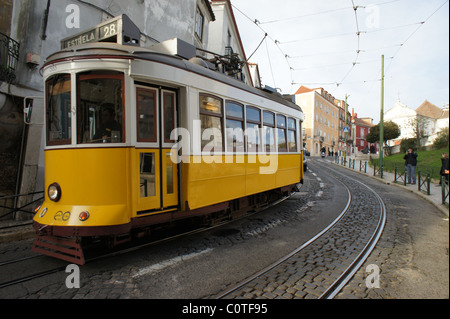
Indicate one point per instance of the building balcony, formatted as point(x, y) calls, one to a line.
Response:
point(9, 57)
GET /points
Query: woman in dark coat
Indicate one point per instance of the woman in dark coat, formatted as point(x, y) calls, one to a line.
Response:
point(444, 167)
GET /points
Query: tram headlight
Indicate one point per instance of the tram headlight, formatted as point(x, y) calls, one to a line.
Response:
point(54, 192)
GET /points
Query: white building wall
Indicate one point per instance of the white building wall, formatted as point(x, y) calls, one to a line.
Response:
point(402, 116)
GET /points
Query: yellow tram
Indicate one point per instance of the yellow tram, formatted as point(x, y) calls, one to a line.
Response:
point(138, 137)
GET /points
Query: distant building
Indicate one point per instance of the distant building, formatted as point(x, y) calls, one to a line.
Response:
point(321, 128)
point(361, 128)
point(402, 116)
point(433, 118)
point(343, 138)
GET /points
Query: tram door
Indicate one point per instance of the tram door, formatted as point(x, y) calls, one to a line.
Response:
point(158, 169)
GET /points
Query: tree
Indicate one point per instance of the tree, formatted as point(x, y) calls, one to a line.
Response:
point(442, 139)
point(390, 131)
point(419, 126)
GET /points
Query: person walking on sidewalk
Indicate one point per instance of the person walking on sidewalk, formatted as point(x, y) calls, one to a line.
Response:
point(410, 164)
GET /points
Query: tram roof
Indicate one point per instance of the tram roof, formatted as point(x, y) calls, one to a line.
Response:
point(114, 50)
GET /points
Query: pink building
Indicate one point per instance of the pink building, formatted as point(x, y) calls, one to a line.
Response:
point(361, 127)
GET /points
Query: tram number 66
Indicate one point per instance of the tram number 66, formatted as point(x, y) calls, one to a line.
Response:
point(373, 279)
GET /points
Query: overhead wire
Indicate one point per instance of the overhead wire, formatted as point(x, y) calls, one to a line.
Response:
point(358, 33)
point(358, 50)
point(266, 35)
point(414, 32)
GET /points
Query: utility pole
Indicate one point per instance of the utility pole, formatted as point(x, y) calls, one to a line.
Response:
point(382, 113)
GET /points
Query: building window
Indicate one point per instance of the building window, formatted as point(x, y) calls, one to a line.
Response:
point(199, 21)
point(211, 114)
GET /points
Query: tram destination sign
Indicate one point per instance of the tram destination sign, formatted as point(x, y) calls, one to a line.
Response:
point(118, 30)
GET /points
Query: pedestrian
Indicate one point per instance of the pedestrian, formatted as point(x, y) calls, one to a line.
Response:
point(444, 168)
point(410, 165)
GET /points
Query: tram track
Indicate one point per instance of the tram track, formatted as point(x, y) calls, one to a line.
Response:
point(312, 276)
point(116, 253)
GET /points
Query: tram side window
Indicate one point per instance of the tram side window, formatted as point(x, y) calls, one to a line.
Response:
point(235, 127)
point(281, 131)
point(211, 115)
point(253, 129)
point(269, 131)
point(147, 176)
point(100, 107)
point(169, 115)
point(146, 112)
point(292, 135)
point(58, 117)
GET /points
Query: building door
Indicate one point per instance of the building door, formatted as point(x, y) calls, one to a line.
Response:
point(157, 162)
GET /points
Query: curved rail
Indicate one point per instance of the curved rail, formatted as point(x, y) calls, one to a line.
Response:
point(345, 277)
point(126, 250)
point(294, 252)
point(331, 291)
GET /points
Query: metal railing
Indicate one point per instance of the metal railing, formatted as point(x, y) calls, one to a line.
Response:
point(9, 57)
point(423, 183)
point(14, 209)
point(377, 170)
point(363, 166)
point(399, 176)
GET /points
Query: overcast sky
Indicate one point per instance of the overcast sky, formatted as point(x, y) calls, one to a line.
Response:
point(319, 38)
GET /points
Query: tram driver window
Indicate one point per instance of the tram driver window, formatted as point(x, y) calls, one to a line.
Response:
point(100, 107)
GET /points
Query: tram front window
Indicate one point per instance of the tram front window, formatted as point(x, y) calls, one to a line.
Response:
point(58, 110)
point(100, 107)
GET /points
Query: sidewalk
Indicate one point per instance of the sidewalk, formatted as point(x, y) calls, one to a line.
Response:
point(435, 196)
point(15, 230)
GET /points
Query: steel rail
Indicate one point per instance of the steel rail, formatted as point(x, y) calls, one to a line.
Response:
point(345, 277)
point(131, 249)
point(188, 233)
point(30, 277)
point(294, 252)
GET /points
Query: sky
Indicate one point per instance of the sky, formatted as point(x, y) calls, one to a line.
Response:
point(315, 43)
